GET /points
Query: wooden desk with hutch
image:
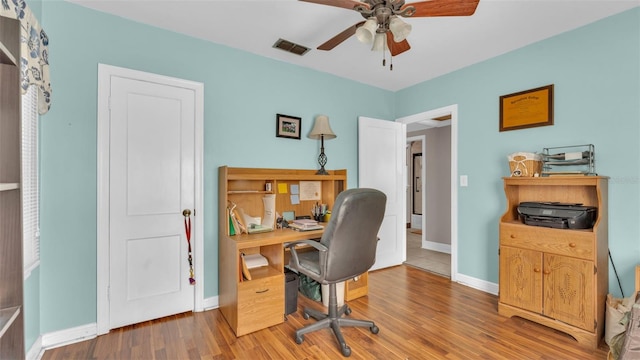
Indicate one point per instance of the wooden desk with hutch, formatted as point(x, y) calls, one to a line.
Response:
point(251, 305)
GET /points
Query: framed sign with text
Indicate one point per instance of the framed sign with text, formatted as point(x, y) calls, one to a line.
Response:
point(526, 109)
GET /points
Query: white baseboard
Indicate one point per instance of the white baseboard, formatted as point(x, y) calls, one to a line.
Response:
point(482, 285)
point(36, 351)
point(69, 336)
point(81, 333)
point(211, 303)
point(436, 246)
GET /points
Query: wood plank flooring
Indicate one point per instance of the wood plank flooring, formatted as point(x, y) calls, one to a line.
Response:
point(420, 315)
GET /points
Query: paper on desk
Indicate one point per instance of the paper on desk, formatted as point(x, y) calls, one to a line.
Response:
point(255, 260)
point(250, 219)
point(573, 155)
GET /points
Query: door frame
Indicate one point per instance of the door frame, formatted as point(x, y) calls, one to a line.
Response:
point(105, 72)
point(428, 115)
point(423, 183)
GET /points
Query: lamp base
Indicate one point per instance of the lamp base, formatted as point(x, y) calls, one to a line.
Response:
point(322, 171)
point(322, 161)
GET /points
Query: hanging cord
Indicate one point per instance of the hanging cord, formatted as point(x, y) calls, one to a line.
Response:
point(187, 229)
point(616, 272)
point(384, 60)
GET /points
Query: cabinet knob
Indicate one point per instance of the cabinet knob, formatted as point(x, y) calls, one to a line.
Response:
point(546, 272)
point(513, 236)
point(572, 244)
point(536, 270)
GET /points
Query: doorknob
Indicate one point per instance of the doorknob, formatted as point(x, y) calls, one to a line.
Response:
point(186, 212)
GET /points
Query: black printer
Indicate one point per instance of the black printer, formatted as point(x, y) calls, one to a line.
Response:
point(557, 215)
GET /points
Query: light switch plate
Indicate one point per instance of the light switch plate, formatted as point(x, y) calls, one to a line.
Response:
point(464, 182)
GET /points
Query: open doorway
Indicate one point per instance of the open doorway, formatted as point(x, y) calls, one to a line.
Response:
point(432, 190)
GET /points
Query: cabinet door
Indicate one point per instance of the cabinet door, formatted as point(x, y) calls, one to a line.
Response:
point(569, 291)
point(521, 278)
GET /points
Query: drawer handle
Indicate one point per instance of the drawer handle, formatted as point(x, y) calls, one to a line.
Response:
point(536, 270)
point(262, 291)
point(513, 236)
point(572, 244)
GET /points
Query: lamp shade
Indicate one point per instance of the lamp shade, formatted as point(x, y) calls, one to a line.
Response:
point(367, 31)
point(380, 42)
point(399, 29)
point(321, 127)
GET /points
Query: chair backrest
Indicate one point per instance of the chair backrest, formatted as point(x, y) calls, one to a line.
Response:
point(352, 233)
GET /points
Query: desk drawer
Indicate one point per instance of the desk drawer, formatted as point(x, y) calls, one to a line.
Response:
point(574, 243)
point(260, 304)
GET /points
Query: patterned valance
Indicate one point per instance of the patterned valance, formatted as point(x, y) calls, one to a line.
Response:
point(34, 51)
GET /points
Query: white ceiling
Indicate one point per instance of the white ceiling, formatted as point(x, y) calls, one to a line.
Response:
point(439, 45)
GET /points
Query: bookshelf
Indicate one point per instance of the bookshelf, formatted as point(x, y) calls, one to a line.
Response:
point(11, 271)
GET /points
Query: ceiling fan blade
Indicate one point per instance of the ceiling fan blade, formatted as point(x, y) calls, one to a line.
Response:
point(443, 8)
point(396, 48)
point(347, 4)
point(338, 39)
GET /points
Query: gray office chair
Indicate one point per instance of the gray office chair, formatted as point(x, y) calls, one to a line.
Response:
point(347, 249)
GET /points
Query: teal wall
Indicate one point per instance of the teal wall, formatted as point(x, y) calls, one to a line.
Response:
point(594, 69)
point(243, 93)
point(596, 75)
point(32, 308)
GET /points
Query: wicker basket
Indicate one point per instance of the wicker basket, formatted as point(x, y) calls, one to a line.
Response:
point(524, 164)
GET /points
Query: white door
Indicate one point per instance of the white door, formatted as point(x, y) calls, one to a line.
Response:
point(381, 162)
point(152, 179)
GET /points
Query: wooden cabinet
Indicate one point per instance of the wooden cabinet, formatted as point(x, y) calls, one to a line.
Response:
point(556, 277)
point(251, 305)
point(11, 271)
point(356, 287)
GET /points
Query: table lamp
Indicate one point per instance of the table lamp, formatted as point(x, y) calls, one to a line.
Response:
point(321, 130)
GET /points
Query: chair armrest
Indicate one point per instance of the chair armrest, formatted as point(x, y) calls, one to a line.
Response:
point(316, 244)
point(294, 261)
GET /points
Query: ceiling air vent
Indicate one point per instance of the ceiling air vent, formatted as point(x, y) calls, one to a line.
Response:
point(291, 47)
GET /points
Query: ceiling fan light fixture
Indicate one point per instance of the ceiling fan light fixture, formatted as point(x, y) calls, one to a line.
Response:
point(399, 29)
point(367, 31)
point(380, 42)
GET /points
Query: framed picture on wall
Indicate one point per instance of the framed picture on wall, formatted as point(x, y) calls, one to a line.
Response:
point(527, 109)
point(288, 126)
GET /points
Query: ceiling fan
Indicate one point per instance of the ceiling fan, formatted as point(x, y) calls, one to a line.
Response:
point(383, 27)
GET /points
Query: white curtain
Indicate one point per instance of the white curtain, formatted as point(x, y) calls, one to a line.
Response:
point(34, 51)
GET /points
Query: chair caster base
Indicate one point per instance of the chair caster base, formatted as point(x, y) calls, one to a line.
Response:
point(299, 339)
point(374, 329)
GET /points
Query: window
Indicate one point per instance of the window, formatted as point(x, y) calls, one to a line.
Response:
point(30, 193)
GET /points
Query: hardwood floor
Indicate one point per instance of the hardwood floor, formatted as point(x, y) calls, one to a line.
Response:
point(420, 316)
